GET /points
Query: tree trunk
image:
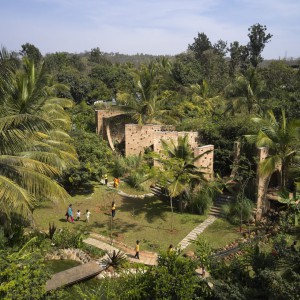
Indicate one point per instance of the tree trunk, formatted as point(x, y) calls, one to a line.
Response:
point(236, 159)
point(180, 205)
point(261, 204)
point(172, 212)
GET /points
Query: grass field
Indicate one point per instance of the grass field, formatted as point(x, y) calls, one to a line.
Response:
point(221, 233)
point(148, 220)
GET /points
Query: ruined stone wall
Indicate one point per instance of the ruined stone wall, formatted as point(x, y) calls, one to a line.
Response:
point(206, 161)
point(101, 114)
point(115, 126)
point(173, 135)
point(138, 137)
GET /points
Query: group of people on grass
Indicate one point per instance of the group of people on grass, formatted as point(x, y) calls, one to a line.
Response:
point(70, 216)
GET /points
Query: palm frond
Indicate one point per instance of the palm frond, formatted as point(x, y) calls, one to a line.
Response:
point(15, 198)
point(269, 165)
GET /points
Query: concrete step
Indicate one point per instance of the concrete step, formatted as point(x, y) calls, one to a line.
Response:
point(156, 190)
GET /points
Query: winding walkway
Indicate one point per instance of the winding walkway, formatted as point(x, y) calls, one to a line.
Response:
point(99, 241)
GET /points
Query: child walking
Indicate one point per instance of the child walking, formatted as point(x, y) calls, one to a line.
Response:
point(78, 215)
point(87, 215)
point(137, 250)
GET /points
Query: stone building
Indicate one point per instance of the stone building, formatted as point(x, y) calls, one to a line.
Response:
point(117, 128)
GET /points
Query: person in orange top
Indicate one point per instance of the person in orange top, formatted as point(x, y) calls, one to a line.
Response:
point(116, 182)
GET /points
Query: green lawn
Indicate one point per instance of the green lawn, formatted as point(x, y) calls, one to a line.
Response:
point(148, 220)
point(219, 234)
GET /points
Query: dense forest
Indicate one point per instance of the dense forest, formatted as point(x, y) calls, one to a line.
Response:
point(224, 91)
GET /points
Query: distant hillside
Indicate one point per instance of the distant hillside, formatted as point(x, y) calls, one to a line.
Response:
point(135, 59)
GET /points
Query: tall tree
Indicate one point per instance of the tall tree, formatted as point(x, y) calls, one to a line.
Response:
point(220, 47)
point(31, 52)
point(258, 40)
point(200, 45)
point(238, 58)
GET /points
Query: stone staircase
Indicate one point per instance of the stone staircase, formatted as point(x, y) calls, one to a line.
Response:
point(158, 190)
point(216, 209)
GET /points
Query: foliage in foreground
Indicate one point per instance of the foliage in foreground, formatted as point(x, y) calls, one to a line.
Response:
point(23, 276)
point(173, 278)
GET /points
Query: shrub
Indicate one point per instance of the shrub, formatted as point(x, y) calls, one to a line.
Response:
point(93, 251)
point(52, 229)
point(114, 259)
point(238, 211)
point(65, 238)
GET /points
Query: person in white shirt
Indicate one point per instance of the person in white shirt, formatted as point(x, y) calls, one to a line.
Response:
point(78, 215)
point(87, 215)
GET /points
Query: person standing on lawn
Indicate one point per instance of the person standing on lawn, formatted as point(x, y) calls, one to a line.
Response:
point(113, 209)
point(170, 249)
point(78, 215)
point(116, 182)
point(70, 214)
point(137, 250)
point(87, 215)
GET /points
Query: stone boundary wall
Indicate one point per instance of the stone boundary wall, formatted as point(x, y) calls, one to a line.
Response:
point(69, 254)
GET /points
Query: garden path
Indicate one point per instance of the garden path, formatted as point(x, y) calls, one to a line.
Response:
point(195, 232)
point(120, 192)
point(101, 242)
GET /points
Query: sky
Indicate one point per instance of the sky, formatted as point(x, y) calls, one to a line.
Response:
point(158, 27)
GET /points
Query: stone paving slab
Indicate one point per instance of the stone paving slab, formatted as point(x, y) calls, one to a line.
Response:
point(195, 232)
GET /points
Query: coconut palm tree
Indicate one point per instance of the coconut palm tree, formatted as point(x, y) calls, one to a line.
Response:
point(201, 97)
point(246, 94)
point(31, 156)
point(147, 100)
point(177, 172)
point(281, 136)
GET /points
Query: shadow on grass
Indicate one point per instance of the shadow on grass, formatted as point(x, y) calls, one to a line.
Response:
point(153, 208)
point(92, 226)
point(121, 226)
point(83, 190)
